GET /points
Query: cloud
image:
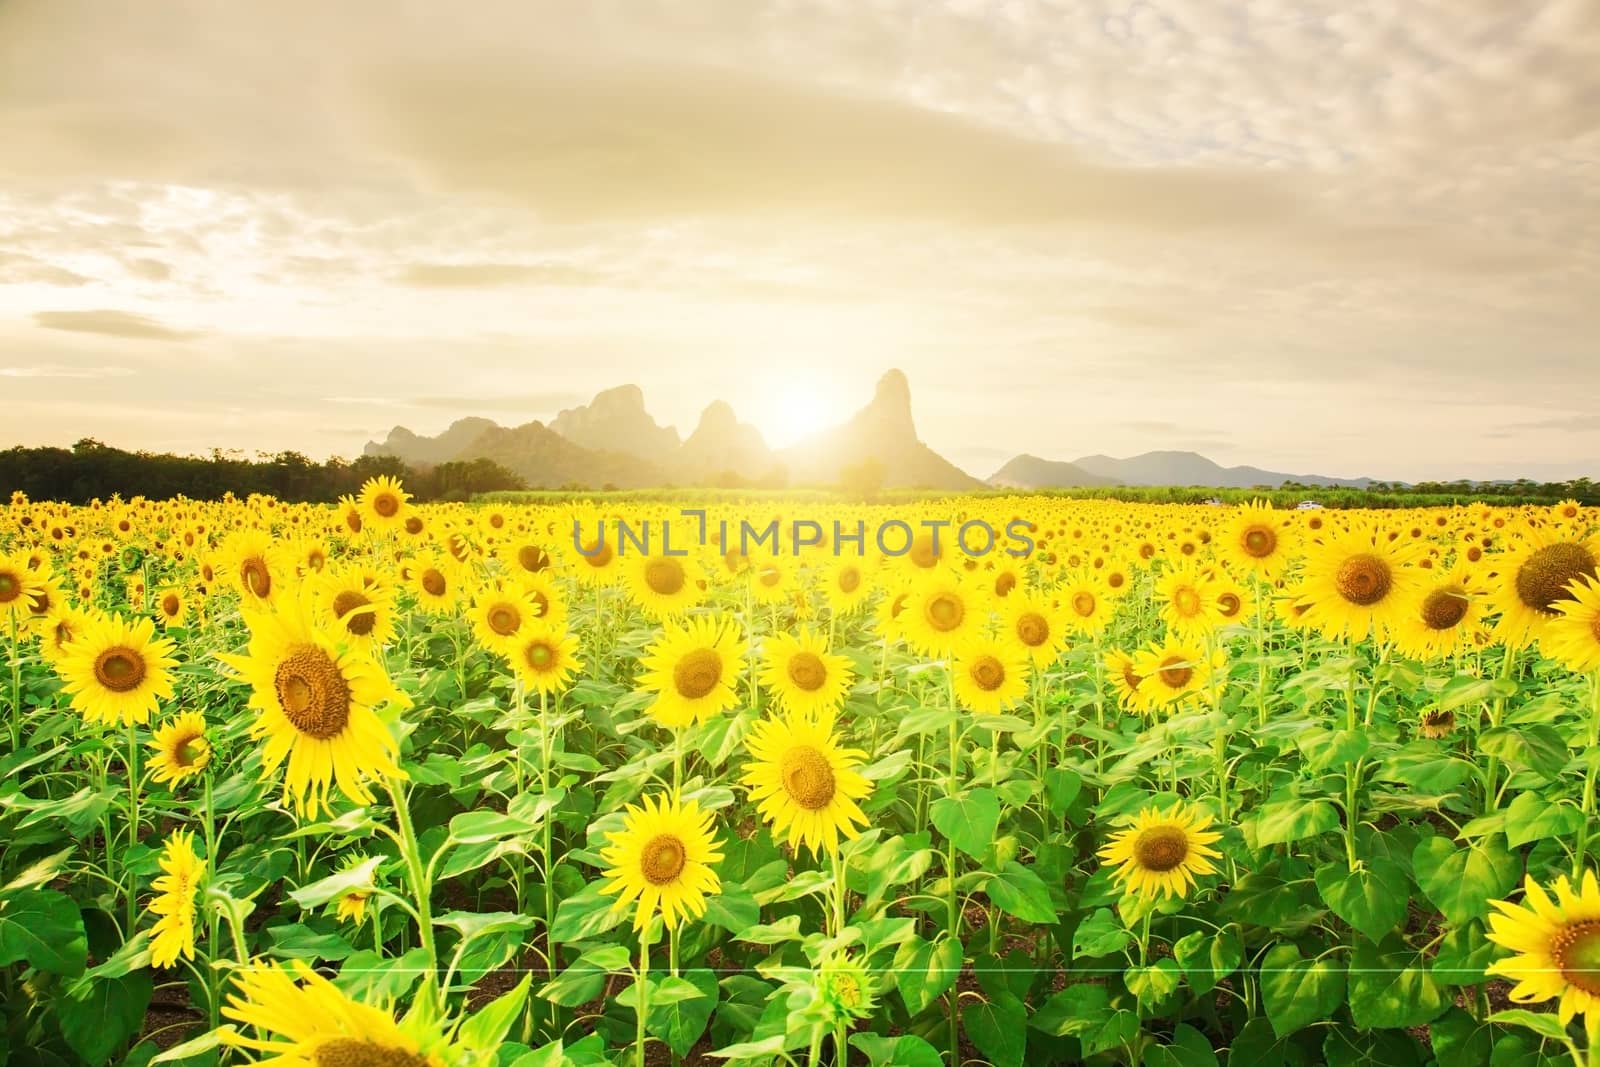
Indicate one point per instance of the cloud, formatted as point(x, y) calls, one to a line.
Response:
point(111, 324)
point(1579, 423)
point(151, 270)
point(57, 370)
point(486, 275)
point(26, 270)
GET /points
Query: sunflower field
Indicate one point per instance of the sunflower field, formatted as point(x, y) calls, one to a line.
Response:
point(532, 785)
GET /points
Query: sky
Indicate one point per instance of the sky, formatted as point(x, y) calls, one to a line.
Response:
point(1335, 237)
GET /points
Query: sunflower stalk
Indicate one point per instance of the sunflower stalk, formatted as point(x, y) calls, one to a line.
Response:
point(547, 846)
point(421, 888)
point(133, 819)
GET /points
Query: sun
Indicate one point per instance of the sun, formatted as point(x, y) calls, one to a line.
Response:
point(796, 408)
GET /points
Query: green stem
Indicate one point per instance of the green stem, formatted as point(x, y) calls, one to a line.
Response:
point(642, 1004)
point(953, 914)
point(15, 718)
point(133, 818)
point(1580, 856)
point(841, 1030)
point(421, 887)
point(547, 843)
point(213, 1005)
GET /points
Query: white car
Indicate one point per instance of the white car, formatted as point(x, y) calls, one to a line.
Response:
point(1307, 505)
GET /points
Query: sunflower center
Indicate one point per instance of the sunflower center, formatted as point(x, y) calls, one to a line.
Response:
point(1258, 542)
point(807, 671)
point(1083, 604)
point(505, 619)
point(10, 588)
point(847, 991)
point(1175, 671)
point(988, 673)
point(1363, 579)
point(348, 1052)
point(1116, 579)
point(665, 577)
point(540, 655)
point(347, 601)
point(352, 519)
point(697, 673)
point(849, 580)
point(170, 605)
point(1229, 605)
point(770, 576)
point(662, 859)
point(808, 777)
point(433, 581)
point(1576, 950)
point(597, 555)
point(256, 577)
point(1004, 584)
point(1033, 629)
point(1543, 578)
point(1437, 723)
point(313, 694)
point(1187, 601)
point(188, 751)
point(532, 558)
point(1130, 677)
point(119, 668)
point(945, 612)
point(1161, 848)
point(386, 505)
point(1442, 609)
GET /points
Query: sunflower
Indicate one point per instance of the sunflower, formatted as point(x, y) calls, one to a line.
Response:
point(772, 581)
point(1034, 623)
point(544, 656)
point(990, 674)
point(1444, 616)
point(1234, 602)
point(173, 933)
point(546, 596)
point(1437, 723)
point(1537, 577)
point(352, 903)
point(692, 669)
point(803, 783)
point(383, 503)
point(1573, 639)
point(1190, 606)
point(594, 559)
point(357, 603)
point(845, 989)
point(1358, 582)
point(1086, 606)
point(118, 671)
point(1162, 852)
point(181, 748)
point(847, 583)
point(436, 582)
point(662, 858)
point(1126, 681)
point(349, 519)
point(1175, 672)
point(19, 586)
point(1257, 541)
point(316, 700)
point(802, 675)
point(172, 607)
point(250, 565)
point(1556, 946)
point(525, 557)
point(315, 1025)
point(939, 614)
point(63, 625)
point(499, 616)
point(664, 586)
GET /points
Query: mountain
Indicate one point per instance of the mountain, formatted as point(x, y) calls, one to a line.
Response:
point(1031, 472)
point(616, 421)
point(883, 430)
point(721, 444)
point(1191, 468)
point(416, 450)
point(547, 460)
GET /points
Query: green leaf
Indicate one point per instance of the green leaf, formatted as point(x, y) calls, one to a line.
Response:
point(584, 914)
point(1153, 983)
point(1258, 1045)
point(923, 970)
point(1538, 747)
point(1018, 891)
point(1346, 1046)
point(968, 821)
point(734, 909)
point(1207, 958)
point(336, 885)
point(908, 1050)
point(1101, 934)
point(194, 1047)
point(489, 1025)
point(1463, 955)
point(1061, 788)
point(1298, 992)
point(1544, 1024)
point(40, 872)
point(1461, 881)
point(998, 1028)
point(476, 827)
point(1390, 988)
point(111, 1011)
point(1372, 900)
point(1531, 817)
point(1113, 1031)
point(471, 924)
point(585, 978)
point(1072, 1011)
point(1189, 1048)
point(1295, 819)
point(681, 1007)
point(1459, 1040)
point(369, 977)
point(43, 927)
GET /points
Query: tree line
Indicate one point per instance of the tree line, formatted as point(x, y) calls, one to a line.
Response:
point(92, 470)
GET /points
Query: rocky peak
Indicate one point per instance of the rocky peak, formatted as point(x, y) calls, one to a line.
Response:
point(616, 421)
point(890, 410)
